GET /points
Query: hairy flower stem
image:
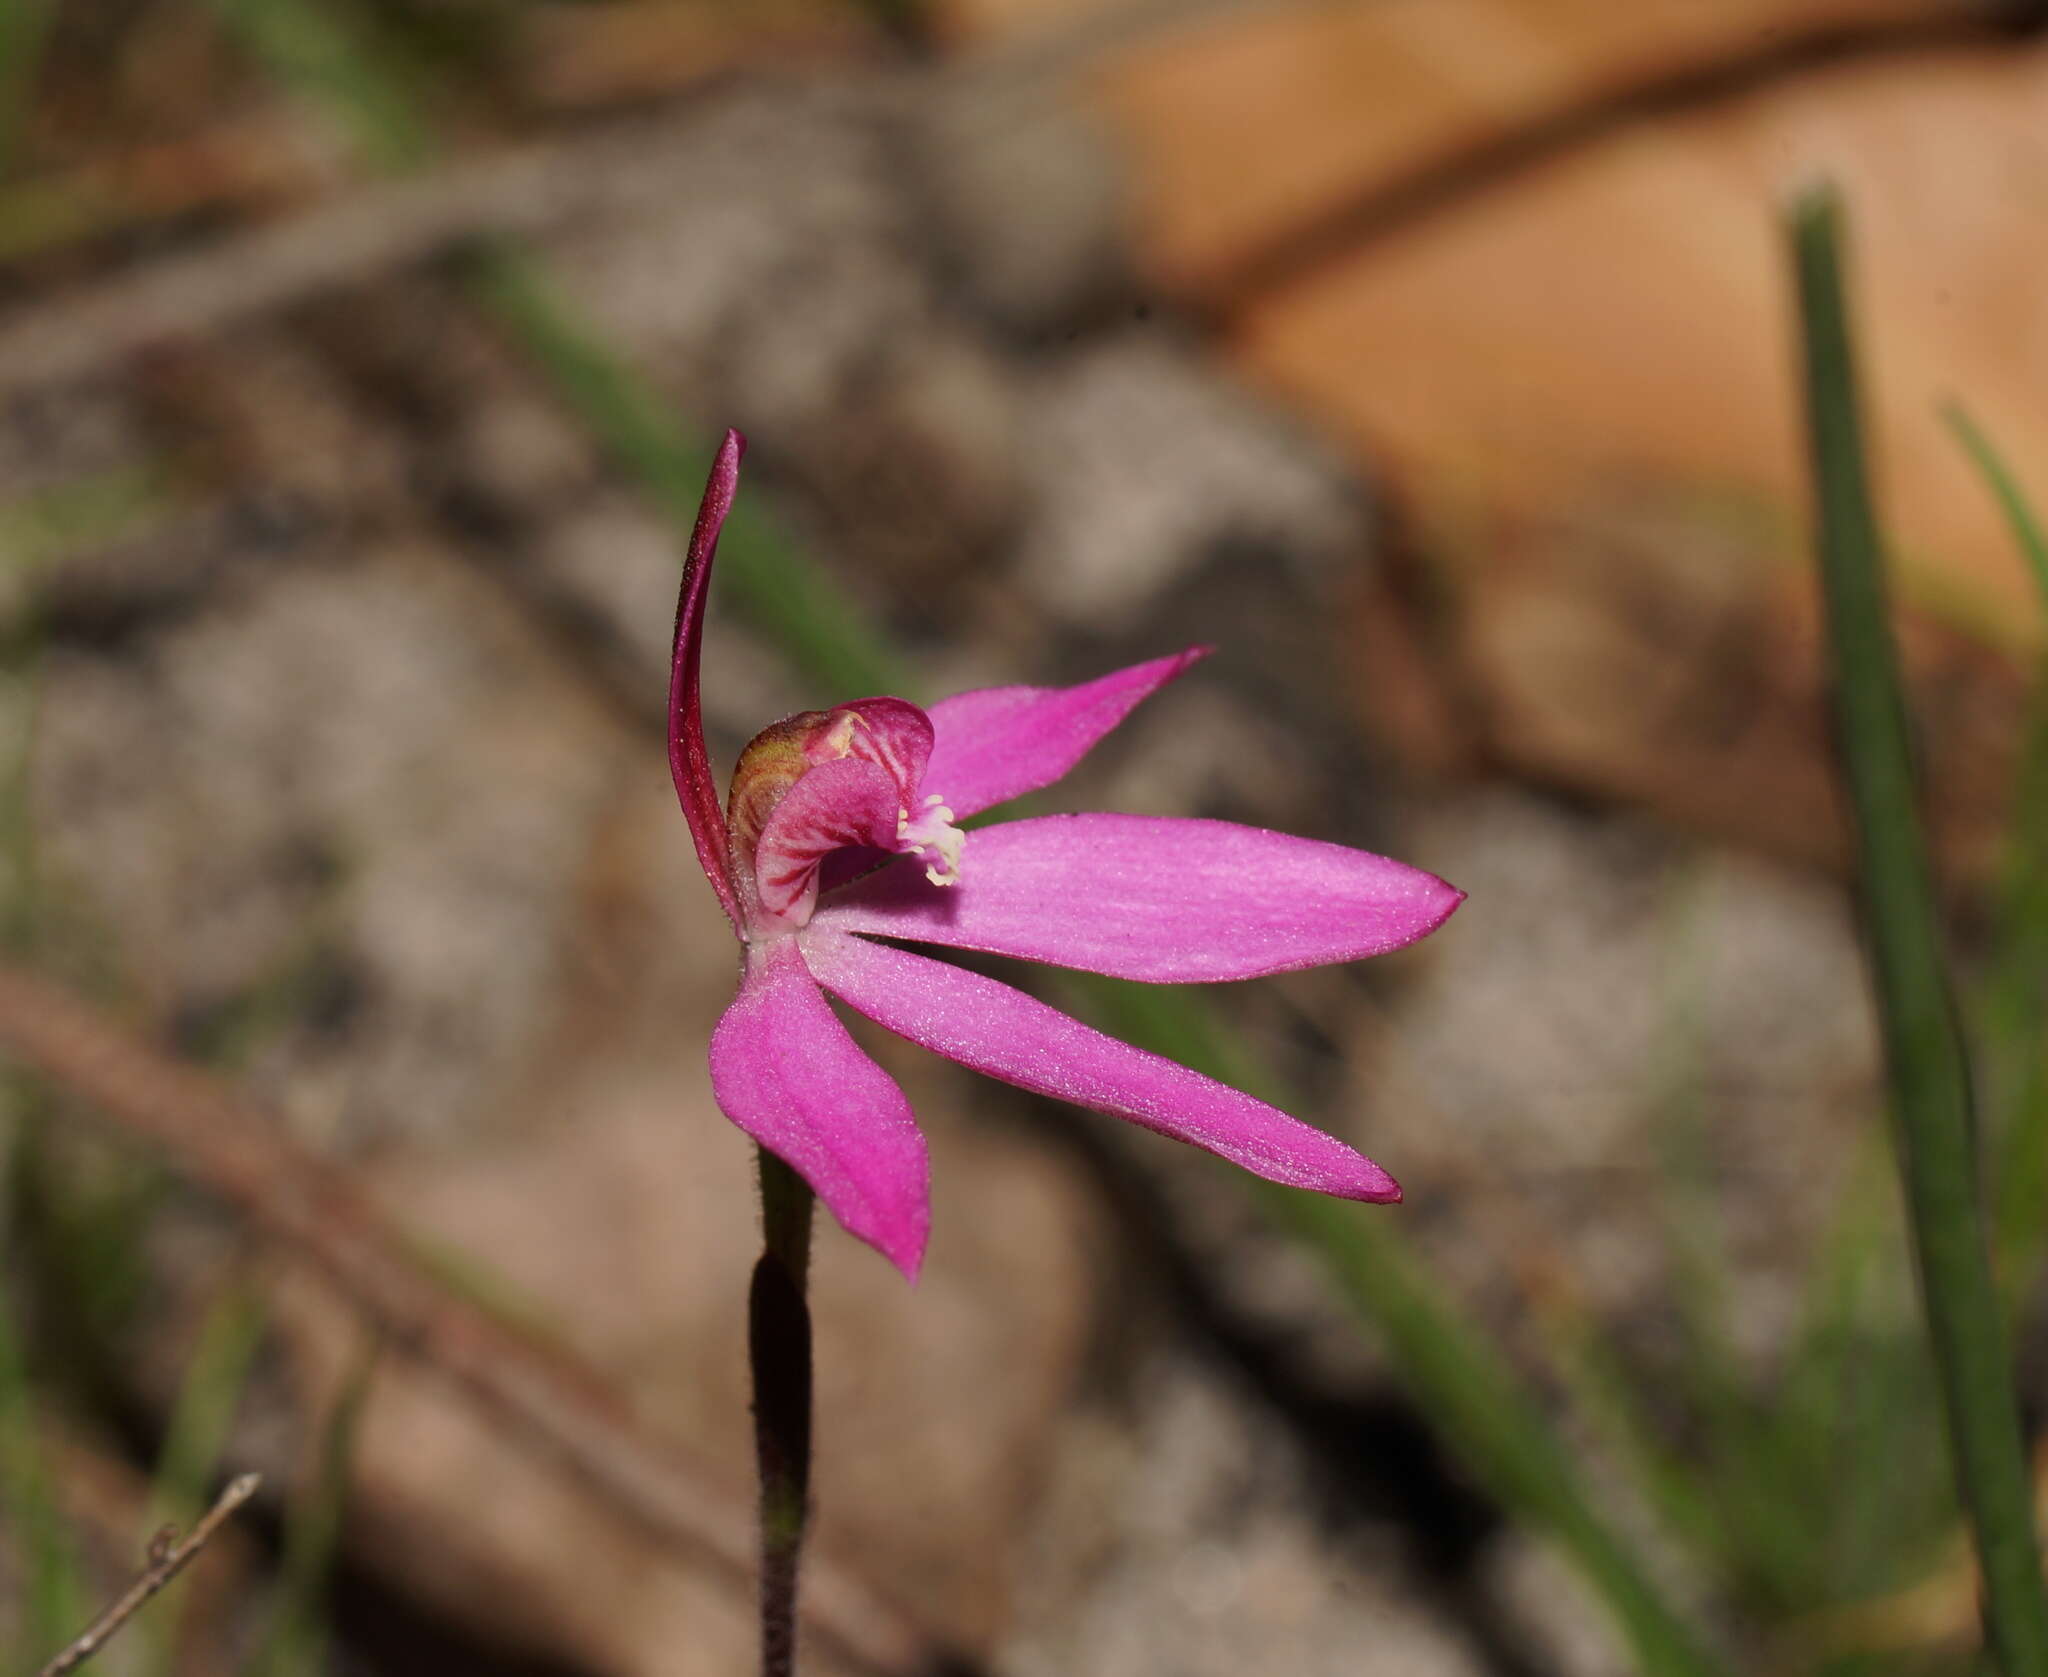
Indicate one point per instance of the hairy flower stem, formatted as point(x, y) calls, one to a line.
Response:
point(779, 1348)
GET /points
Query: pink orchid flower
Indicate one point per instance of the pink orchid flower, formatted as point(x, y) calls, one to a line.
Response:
point(841, 828)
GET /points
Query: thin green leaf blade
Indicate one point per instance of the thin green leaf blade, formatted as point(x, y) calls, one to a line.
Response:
point(2027, 532)
point(2010, 999)
point(1928, 1077)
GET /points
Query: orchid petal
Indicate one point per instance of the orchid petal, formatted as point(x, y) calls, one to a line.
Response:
point(997, 743)
point(1014, 1037)
point(848, 801)
point(1167, 901)
point(688, 761)
point(785, 1070)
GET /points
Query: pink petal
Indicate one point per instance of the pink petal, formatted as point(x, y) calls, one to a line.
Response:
point(1009, 1035)
point(846, 802)
point(1167, 901)
point(785, 1071)
point(688, 761)
point(998, 743)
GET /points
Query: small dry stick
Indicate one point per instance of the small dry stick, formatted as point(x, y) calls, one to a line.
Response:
point(166, 1561)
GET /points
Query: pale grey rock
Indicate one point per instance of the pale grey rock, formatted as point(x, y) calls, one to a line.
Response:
point(1026, 202)
point(1144, 466)
point(1177, 1541)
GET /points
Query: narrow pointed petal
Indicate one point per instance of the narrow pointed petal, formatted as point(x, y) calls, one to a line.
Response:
point(688, 761)
point(848, 802)
point(1167, 901)
point(785, 1071)
point(998, 743)
point(1020, 1040)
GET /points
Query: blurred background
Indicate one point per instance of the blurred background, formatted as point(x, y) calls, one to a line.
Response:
point(359, 365)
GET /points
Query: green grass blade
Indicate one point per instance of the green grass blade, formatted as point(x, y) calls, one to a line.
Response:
point(2020, 1209)
point(2010, 1002)
point(1854, 1388)
point(325, 53)
point(47, 525)
point(1929, 1085)
point(809, 616)
point(2026, 529)
point(1772, 1545)
point(55, 1590)
point(202, 1420)
point(1469, 1390)
point(24, 28)
point(1609, 1397)
point(1457, 1379)
point(296, 1637)
point(196, 1440)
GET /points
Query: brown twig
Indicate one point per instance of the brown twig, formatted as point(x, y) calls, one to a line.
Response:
point(166, 1561)
point(107, 1497)
point(558, 1407)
